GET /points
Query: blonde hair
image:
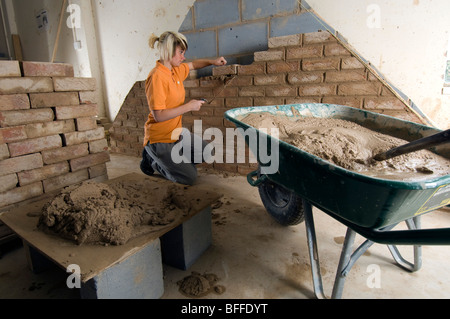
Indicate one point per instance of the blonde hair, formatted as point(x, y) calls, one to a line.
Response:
point(167, 44)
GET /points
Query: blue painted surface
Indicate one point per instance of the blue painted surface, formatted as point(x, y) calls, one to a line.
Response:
point(256, 9)
point(187, 23)
point(216, 12)
point(243, 38)
point(201, 45)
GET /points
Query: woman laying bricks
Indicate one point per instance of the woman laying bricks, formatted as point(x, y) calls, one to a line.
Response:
point(166, 99)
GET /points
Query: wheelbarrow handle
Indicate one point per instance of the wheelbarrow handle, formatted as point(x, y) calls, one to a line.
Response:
point(419, 237)
point(256, 182)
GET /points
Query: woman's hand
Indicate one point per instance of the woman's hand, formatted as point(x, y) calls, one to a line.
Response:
point(220, 61)
point(195, 105)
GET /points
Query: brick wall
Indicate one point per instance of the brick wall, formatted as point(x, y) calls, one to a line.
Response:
point(304, 68)
point(49, 137)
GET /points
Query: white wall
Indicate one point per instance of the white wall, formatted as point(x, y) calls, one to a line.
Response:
point(406, 40)
point(123, 30)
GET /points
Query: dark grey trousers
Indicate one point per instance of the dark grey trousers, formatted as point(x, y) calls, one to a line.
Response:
point(176, 161)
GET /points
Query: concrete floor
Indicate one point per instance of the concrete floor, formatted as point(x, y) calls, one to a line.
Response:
point(255, 258)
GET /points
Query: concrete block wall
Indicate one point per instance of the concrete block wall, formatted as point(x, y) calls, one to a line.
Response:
point(302, 68)
point(238, 28)
point(49, 137)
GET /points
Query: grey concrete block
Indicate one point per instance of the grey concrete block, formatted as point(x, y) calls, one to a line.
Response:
point(251, 37)
point(257, 9)
point(201, 45)
point(212, 13)
point(139, 276)
point(182, 246)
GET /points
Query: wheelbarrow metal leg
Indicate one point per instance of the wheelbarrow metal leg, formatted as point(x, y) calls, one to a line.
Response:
point(344, 262)
point(313, 251)
point(403, 263)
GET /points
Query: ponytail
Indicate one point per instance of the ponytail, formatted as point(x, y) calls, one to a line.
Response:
point(167, 43)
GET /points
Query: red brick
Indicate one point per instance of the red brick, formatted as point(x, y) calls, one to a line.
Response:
point(47, 69)
point(305, 77)
point(225, 70)
point(89, 161)
point(344, 100)
point(4, 152)
point(40, 174)
point(267, 101)
point(351, 63)
point(8, 182)
point(388, 103)
point(19, 164)
point(15, 118)
point(88, 97)
point(35, 145)
point(54, 99)
point(335, 49)
point(26, 85)
point(98, 146)
point(365, 88)
point(255, 68)
point(312, 51)
point(12, 134)
point(75, 138)
point(20, 194)
point(65, 153)
point(303, 99)
point(225, 92)
point(191, 83)
point(67, 84)
point(317, 89)
point(76, 111)
point(346, 76)
point(59, 182)
point(271, 55)
point(281, 91)
point(321, 64)
point(234, 102)
point(317, 37)
point(284, 41)
point(49, 128)
point(282, 67)
point(242, 81)
point(270, 79)
point(14, 102)
point(86, 124)
point(252, 91)
point(10, 69)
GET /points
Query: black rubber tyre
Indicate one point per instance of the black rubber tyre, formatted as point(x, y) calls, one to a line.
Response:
point(283, 205)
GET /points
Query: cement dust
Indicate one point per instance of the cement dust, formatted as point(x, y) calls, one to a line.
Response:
point(197, 285)
point(112, 214)
point(352, 146)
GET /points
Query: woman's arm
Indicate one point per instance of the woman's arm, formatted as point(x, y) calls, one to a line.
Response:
point(168, 114)
point(201, 63)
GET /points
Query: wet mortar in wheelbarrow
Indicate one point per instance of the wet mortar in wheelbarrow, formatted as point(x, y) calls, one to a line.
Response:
point(369, 205)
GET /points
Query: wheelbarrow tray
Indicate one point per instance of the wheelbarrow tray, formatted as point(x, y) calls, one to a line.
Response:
point(360, 200)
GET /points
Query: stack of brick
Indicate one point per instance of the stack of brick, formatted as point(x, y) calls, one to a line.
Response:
point(49, 138)
point(302, 68)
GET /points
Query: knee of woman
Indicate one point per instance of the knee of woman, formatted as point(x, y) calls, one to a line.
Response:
point(187, 179)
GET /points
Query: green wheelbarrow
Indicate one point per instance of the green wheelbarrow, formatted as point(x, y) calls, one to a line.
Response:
point(371, 207)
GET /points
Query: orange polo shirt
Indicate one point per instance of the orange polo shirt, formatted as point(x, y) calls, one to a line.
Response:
point(164, 90)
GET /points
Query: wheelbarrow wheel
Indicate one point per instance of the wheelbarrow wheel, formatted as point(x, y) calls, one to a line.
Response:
point(283, 205)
